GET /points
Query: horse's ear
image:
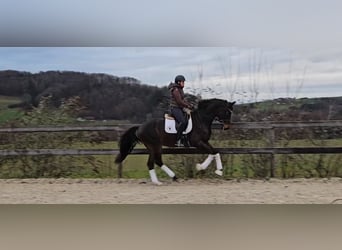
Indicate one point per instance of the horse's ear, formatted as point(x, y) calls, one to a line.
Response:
point(232, 103)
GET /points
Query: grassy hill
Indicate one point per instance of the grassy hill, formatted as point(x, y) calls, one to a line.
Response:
point(6, 114)
point(8, 100)
point(103, 96)
point(290, 109)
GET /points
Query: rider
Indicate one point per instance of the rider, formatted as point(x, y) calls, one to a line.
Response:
point(179, 107)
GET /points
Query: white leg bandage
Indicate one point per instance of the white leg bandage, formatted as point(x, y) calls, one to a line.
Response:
point(206, 163)
point(218, 161)
point(218, 165)
point(168, 171)
point(154, 178)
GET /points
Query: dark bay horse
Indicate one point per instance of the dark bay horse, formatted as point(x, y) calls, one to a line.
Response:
point(153, 136)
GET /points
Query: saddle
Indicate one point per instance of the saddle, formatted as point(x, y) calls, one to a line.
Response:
point(170, 125)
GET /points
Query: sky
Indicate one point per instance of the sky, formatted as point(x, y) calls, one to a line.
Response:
point(237, 50)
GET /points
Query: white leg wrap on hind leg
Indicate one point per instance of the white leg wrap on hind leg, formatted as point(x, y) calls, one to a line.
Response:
point(206, 163)
point(154, 178)
point(218, 165)
point(168, 171)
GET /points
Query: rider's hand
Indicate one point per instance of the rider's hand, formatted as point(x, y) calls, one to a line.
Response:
point(187, 110)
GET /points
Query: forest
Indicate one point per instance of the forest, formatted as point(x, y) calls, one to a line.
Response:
point(103, 96)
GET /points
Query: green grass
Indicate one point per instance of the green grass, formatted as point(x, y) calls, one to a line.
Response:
point(6, 114)
point(7, 100)
point(235, 166)
point(9, 115)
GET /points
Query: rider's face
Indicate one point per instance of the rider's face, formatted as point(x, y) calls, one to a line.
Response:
point(181, 83)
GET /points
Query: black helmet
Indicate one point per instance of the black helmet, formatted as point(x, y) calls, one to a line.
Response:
point(179, 78)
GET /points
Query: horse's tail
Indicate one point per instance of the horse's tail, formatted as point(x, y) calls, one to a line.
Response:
point(127, 142)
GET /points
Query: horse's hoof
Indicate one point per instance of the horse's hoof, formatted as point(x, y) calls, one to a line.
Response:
point(158, 183)
point(199, 167)
point(218, 172)
point(175, 178)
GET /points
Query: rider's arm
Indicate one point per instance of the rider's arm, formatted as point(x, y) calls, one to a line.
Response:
point(182, 103)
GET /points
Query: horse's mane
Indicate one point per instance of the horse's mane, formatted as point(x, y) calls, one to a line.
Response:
point(204, 104)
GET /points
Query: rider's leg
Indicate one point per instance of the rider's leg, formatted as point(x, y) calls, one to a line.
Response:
point(181, 123)
point(180, 130)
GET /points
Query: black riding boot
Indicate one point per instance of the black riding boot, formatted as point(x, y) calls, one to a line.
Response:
point(185, 141)
point(180, 129)
point(179, 141)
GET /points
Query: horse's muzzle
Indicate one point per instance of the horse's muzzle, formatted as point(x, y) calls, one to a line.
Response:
point(226, 126)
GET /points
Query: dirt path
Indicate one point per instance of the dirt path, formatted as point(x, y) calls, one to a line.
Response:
point(96, 191)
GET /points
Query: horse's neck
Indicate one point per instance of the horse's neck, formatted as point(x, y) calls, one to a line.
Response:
point(205, 118)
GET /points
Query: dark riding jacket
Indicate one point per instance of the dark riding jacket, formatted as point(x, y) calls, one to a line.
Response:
point(177, 96)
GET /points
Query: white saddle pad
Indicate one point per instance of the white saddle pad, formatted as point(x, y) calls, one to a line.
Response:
point(170, 125)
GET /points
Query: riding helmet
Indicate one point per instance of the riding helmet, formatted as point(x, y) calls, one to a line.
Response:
point(179, 78)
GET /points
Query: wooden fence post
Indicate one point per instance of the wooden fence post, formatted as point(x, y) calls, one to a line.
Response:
point(120, 170)
point(188, 168)
point(271, 144)
point(120, 164)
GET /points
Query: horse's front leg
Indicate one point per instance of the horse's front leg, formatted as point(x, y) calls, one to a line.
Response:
point(213, 154)
point(219, 167)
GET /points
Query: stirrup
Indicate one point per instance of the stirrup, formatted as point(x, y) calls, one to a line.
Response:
point(179, 143)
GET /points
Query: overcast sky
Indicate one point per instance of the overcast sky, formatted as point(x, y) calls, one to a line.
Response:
point(242, 50)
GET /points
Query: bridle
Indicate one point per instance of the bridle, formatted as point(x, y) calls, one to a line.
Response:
point(222, 121)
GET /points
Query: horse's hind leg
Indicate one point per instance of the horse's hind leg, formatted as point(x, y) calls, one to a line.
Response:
point(166, 169)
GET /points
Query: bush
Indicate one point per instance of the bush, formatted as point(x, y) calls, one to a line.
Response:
point(48, 165)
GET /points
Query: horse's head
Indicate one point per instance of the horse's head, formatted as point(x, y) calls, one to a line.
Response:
point(220, 109)
point(224, 113)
